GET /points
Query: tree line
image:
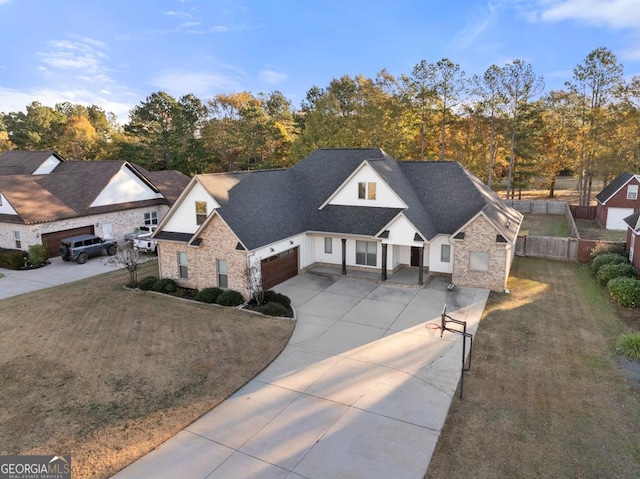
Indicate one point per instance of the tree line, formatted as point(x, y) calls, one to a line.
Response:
point(501, 125)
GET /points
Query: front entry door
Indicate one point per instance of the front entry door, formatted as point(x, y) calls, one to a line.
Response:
point(415, 256)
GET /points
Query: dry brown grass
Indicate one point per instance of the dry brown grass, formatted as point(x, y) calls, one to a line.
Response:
point(107, 374)
point(545, 397)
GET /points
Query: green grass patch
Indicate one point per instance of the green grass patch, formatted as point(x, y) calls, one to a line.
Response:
point(629, 345)
point(545, 225)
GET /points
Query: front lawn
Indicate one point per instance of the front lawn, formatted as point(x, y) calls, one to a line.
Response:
point(546, 396)
point(107, 374)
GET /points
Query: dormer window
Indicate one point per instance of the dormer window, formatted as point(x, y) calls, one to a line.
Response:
point(367, 190)
point(632, 192)
point(201, 212)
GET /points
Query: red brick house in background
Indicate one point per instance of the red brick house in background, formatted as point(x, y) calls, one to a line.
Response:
point(617, 201)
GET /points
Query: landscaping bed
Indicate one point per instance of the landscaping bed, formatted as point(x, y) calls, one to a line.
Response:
point(107, 374)
point(546, 396)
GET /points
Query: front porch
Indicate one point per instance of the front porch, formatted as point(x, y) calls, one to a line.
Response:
point(406, 276)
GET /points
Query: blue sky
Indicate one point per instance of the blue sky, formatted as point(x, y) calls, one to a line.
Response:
point(115, 53)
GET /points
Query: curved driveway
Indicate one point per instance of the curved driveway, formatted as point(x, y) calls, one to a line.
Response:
point(362, 390)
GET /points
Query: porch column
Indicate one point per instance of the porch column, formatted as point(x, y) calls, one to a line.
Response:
point(383, 274)
point(344, 256)
point(420, 266)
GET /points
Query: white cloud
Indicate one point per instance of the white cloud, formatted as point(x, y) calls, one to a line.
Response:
point(189, 24)
point(83, 54)
point(271, 77)
point(15, 100)
point(201, 84)
point(617, 14)
point(475, 28)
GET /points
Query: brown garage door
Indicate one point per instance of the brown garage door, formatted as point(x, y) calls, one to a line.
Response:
point(51, 241)
point(279, 268)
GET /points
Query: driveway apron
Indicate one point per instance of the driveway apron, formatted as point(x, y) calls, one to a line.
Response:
point(362, 390)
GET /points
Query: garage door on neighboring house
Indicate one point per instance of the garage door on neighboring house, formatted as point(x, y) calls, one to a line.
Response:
point(279, 268)
point(616, 216)
point(51, 241)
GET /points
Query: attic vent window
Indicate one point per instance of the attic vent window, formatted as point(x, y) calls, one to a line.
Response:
point(632, 192)
point(367, 191)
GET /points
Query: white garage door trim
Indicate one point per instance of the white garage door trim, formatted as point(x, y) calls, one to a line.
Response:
point(616, 216)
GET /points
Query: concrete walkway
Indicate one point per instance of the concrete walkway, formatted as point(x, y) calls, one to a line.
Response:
point(362, 390)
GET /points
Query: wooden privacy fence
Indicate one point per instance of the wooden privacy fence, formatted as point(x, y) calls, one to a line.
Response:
point(539, 207)
point(565, 249)
point(583, 212)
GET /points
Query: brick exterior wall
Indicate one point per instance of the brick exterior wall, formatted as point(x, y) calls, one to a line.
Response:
point(480, 237)
point(619, 200)
point(122, 222)
point(218, 242)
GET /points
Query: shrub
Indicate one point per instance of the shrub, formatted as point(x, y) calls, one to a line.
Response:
point(608, 248)
point(230, 297)
point(273, 309)
point(629, 344)
point(165, 285)
point(609, 258)
point(12, 258)
point(273, 297)
point(208, 295)
point(609, 271)
point(148, 283)
point(37, 254)
point(626, 291)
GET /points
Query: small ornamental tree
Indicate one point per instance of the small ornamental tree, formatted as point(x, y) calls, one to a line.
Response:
point(254, 277)
point(129, 257)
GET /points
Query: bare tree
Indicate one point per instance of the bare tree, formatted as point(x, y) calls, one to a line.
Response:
point(128, 256)
point(449, 85)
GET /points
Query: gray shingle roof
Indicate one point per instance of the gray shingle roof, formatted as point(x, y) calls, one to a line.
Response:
point(263, 207)
point(70, 189)
point(614, 186)
point(632, 220)
point(20, 162)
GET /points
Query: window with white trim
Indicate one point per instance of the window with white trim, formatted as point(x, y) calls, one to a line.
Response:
point(479, 262)
point(328, 245)
point(16, 238)
point(201, 212)
point(366, 253)
point(183, 266)
point(632, 192)
point(151, 218)
point(445, 253)
point(367, 191)
point(223, 275)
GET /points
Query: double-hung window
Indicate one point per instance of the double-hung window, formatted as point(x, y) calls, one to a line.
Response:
point(445, 253)
point(367, 191)
point(16, 238)
point(151, 218)
point(183, 266)
point(201, 212)
point(366, 253)
point(328, 245)
point(479, 262)
point(632, 192)
point(223, 276)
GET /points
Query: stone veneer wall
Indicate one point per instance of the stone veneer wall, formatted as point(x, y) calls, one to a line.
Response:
point(218, 242)
point(122, 222)
point(480, 237)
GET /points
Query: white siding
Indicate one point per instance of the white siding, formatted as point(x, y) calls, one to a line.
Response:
point(385, 196)
point(402, 232)
point(125, 187)
point(183, 219)
point(5, 207)
point(616, 216)
point(280, 246)
point(318, 248)
point(434, 255)
point(47, 166)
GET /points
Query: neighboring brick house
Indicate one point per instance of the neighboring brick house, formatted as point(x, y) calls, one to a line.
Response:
point(617, 201)
point(44, 198)
point(352, 208)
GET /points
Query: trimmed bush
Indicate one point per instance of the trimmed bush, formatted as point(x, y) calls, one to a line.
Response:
point(609, 271)
point(626, 291)
point(599, 261)
point(148, 283)
point(608, 248)
point(208, 295)
point(12, 258)
point(629, 344)
point(37, 254)
point(273, 309)
point(165, 285)
point(273, 297)
point(230, 297)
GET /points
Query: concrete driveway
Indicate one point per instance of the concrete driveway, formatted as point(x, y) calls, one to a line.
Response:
point(58, 272)
point(362, 390)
